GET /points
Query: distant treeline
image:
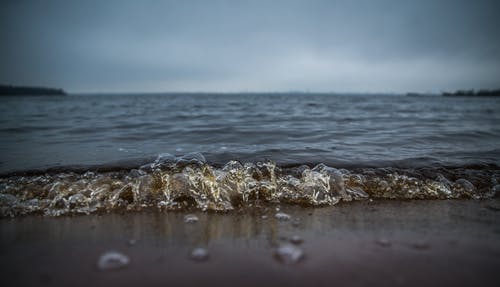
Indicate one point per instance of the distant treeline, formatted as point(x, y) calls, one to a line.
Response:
point(472, 93)
point(7, 90)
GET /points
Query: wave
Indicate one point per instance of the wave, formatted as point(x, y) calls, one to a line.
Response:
point(173, 183)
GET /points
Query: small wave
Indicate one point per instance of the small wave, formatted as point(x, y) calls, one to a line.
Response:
point(173, 183)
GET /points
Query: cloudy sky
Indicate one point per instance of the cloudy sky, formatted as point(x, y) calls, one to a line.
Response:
point(233, 46)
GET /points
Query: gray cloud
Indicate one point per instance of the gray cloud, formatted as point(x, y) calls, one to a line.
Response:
point(385, 45)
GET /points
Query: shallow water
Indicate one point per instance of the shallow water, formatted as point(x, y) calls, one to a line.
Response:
point(91, 153)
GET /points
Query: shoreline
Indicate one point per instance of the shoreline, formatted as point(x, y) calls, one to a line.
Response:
point(137, 163)
point(430, 242)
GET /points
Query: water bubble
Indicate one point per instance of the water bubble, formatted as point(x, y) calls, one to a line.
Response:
point(190, 218)
point(112, 260)
point(137, 173)
point(465, 186)
point(496, 190)
point(296, 239)
point(384, 242)
point(199, 254)
point(282, 216)
point(357, 193)
point(288, 254)
point(164, 160)
point(192, 158)
point(232, 166)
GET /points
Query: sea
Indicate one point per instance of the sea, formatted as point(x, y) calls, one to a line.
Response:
point(219, 151)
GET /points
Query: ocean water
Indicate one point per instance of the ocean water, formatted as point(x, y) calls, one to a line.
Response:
point(83, 153)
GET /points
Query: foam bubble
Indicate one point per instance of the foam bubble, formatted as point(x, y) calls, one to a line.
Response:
point(282, 216)
point(112, 260)
point(190, 218)
point(289, 254)
point(296, 240)
point(199, 254)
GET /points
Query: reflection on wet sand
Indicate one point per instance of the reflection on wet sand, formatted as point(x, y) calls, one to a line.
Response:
point(386, 240)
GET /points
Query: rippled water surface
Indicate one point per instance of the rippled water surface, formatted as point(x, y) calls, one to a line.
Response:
point(90, 153)
point(339, 130)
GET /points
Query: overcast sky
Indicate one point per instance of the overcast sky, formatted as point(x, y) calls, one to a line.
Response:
point(233, 46)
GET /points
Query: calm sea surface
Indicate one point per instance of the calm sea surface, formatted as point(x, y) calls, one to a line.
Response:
point(339, 130)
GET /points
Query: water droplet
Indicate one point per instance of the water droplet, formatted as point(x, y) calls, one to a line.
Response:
point(112, 260)
point(199, 254)
point(296, 239)
point(132, 242)
point(384, 242)
point(282, 216)
point(264, 217)
point(190, 218)
point(496, 190)
point(289, 254)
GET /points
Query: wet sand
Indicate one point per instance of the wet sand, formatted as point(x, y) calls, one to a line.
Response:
point(379, 243)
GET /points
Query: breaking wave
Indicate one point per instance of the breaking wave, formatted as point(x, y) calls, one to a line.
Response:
point(173, 183)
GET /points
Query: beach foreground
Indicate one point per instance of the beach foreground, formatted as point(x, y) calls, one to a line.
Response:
point(375, 243)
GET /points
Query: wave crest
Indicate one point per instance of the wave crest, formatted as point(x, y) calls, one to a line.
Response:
point(171, 183)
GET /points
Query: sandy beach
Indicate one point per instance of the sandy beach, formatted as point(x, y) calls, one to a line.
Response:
point(378, 243)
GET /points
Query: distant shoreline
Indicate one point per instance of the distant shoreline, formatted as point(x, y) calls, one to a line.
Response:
point(10, 90)
point(460, 93)
point(7, 90)
point(472, 93)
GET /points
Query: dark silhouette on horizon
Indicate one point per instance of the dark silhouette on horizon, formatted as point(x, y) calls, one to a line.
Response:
point(8, 90)
point(472, 93)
